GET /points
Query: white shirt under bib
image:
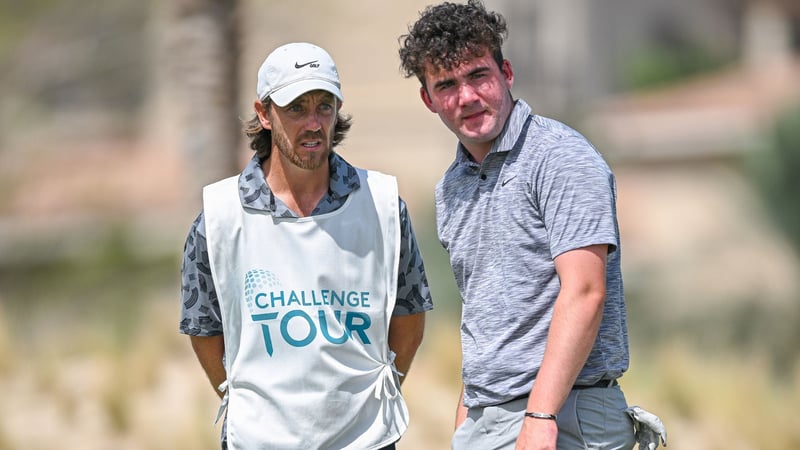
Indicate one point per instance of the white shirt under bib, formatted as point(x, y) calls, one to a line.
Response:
point(306, 305)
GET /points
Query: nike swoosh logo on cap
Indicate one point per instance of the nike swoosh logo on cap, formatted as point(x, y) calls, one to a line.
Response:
point(300, 66)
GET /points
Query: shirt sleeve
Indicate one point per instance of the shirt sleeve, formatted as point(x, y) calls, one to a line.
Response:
point(200, 312)
point(413, 293)
point(577, 197)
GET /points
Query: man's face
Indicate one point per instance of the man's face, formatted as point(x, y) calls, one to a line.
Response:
point(473, 100)
point(302, 131)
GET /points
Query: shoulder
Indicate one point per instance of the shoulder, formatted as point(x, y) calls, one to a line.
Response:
point(551, 142)
point(545, 131)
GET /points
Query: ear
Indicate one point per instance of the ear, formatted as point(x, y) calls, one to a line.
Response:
point(261, 112)
point(508, 73)
point(426, 98)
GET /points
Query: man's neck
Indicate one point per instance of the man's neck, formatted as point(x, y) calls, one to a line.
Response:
point(478, 151)
point(300, 189)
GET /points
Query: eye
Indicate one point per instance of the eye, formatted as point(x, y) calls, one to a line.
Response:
point(444, 85)
point(478, 75)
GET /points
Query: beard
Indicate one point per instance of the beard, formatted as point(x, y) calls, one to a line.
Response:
point(313, 161)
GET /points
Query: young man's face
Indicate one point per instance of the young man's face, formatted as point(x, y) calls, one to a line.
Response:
point(302, 131)
point(473, 100)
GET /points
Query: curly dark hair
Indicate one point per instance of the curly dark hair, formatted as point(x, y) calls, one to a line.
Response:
point(449, 34)
point(261, 138)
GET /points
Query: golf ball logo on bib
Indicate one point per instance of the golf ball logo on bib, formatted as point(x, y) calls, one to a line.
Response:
point(300, 317)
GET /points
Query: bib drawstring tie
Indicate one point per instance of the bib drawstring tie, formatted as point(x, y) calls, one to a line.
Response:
point(389, 384)
point(224, 404)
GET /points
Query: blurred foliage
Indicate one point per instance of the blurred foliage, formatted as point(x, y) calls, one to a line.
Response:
point(715, 400)
point(446, 298)
point(658, 65)
point(16, 17)
point(776, 173)
point(745, 327)
point(101, 289)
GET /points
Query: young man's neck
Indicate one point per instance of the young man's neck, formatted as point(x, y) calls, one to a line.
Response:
point(478, 151)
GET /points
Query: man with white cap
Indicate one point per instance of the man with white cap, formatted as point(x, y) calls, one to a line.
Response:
point(304, 293)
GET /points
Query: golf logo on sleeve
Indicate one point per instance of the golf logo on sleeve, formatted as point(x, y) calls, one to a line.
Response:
point(298, 317)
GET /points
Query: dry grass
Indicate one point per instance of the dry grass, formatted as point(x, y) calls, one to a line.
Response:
point(716, 401)
point(92, 384)
point(432, 389)
point(153, 395)
point(148, 395)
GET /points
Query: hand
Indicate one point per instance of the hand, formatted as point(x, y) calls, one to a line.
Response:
point(537, 434)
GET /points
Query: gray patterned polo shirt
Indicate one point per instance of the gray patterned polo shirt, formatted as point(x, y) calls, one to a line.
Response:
point(200, 313)
point(541, 191)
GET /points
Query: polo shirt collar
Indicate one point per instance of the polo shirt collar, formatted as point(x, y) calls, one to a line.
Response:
point(254, 192)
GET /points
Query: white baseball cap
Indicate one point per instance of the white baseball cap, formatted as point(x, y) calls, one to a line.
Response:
point(293, 69)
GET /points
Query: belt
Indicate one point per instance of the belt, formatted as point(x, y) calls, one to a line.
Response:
point(578, 387)
point(599, 384)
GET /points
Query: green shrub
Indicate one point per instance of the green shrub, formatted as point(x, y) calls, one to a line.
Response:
point(775, 171)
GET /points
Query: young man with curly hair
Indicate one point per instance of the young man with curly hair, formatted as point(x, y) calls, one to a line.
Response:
point(304, 293)
point(527, 213)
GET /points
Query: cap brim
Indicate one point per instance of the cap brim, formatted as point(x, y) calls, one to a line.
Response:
point(285, 95)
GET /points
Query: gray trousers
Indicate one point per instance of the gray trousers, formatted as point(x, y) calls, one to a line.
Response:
point(590, 419)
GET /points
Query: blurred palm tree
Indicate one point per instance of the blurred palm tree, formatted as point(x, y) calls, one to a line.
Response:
point(203, 57)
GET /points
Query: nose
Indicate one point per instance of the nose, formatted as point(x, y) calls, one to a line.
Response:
point(466, 94)
point(314, 122)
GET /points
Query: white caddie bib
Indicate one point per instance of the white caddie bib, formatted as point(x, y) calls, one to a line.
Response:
point(306, 305)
